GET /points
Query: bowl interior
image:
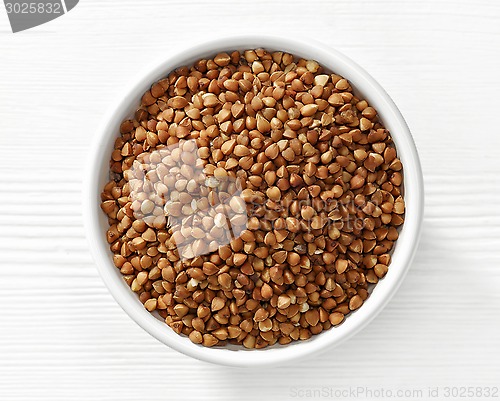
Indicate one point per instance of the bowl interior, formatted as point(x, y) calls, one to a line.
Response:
point(404, 249)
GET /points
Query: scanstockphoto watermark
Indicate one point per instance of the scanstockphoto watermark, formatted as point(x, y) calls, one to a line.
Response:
point(26, 14)
point(207, 208)
point(365, 392)
point(360, 392)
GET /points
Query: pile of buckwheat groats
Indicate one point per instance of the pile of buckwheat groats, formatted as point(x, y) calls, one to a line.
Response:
point(304, 173)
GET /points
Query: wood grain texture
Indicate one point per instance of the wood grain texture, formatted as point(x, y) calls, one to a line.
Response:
point(62, 336)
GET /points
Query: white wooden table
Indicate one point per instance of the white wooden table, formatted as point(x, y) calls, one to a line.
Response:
point(62, 336)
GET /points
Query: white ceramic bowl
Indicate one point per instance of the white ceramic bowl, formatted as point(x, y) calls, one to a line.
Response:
point(96, 222)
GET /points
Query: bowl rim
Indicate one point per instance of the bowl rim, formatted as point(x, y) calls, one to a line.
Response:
point(404, 250)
